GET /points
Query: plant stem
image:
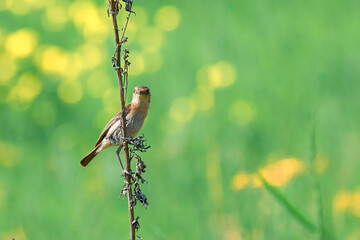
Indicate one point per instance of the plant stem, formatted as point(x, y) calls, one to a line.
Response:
point(118, 43)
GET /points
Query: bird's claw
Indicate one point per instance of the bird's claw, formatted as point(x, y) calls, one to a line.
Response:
point(125, 172)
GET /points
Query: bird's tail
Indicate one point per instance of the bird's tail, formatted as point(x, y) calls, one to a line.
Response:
point(85, 161)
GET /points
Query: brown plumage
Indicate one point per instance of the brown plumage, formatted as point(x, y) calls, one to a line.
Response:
point(135, 114)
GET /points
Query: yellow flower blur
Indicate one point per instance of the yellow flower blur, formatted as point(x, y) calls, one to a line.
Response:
point(219, 75)
point(21, 43)
point(8, 68)
point(281, 172)
point(168, 18)
point(240, 181)
point(54, 59)
point(182, 110)
point(26, 89)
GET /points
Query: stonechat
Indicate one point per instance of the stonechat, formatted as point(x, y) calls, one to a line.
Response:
point(135, 114)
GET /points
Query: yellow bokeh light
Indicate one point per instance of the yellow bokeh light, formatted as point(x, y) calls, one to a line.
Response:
point(3, 5)
point(151, 39)
point(137, 66)
point(25, 90)
point(241, 112)
point(8, 68)
point(240, 181)
point(9, 155)
point(342, 201)
point(87, 18)
point(356, 204)
point(221, 74)
point(255, 180)
point(91, 55)
point(1, 36)
point(21, 43)
point(281, 172)
point(77, 64)
point(182, 110)
point(55, 17)
point(13, 6)
point(347, 201)
point(70, 91)
point(168, 18)
point(40, 3)
point(54, 59)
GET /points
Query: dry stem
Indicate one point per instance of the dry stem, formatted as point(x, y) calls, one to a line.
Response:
point(114, 8)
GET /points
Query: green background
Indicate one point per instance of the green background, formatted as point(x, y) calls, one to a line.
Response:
point(236, 87)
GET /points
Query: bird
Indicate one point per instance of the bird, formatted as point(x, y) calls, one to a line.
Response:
point(111, 135)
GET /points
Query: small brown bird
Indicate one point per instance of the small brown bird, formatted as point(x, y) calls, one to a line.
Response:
point(135, 114)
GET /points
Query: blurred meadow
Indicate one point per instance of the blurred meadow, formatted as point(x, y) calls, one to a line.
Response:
point(237, 87)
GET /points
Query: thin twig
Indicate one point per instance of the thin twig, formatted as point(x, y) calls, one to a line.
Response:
point(114, 8)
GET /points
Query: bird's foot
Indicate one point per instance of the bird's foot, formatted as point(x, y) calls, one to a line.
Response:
point(124, 173)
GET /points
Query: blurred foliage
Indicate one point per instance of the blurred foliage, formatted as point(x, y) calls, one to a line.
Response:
point(233, 85)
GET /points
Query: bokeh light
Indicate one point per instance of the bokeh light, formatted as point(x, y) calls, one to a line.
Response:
point(86, 17)
point(182, 110)
point(219, 75)
point(70, 91)
point(21, 43)
point(347, 201)
point(8, 68)
point(26, 89)
point(150, 39)
point(54, 60)
point(240, 181)
point(55, 17)
point(168, 18)
point(281, 172)
point(138, 63)
point(203, 98)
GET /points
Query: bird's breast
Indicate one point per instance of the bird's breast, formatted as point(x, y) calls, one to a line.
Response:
point(134, 123)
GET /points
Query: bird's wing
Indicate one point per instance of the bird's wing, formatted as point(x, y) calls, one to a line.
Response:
point(116, 118)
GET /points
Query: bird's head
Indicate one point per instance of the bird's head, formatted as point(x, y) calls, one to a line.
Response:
point(141, 95)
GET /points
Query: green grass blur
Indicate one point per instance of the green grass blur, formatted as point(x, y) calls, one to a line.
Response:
point(235, 87)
